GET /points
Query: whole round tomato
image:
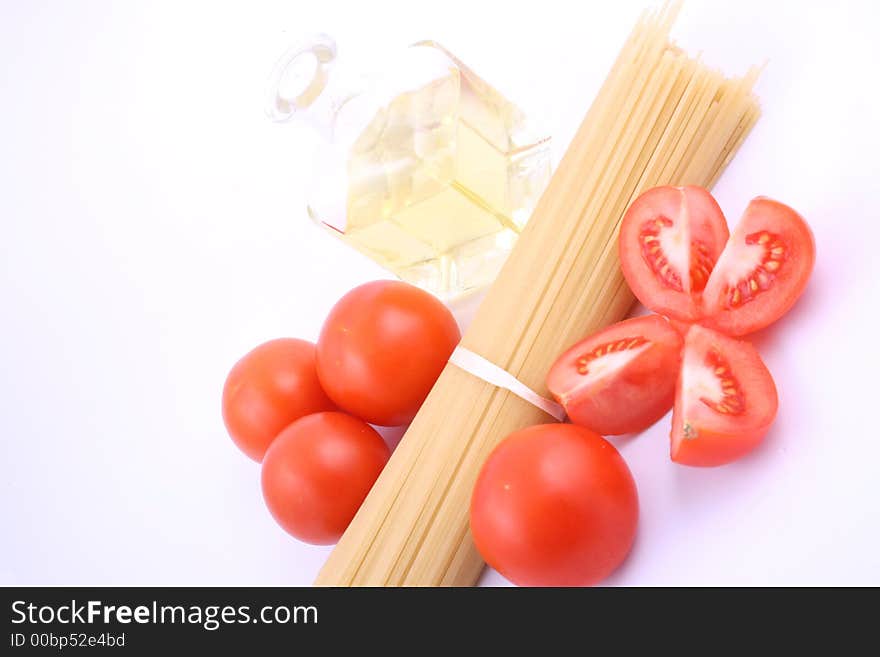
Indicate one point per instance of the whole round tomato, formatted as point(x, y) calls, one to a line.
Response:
point(382, 348)
point(318, 471)
point(270, 387)
point(554, 505)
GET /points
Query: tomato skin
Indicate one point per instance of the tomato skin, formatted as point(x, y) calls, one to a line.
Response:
point(318, 471)
point(382, 348)
point(701, 436)
point(693, 216)
point(554, 505)
point(717, 448)
point(783, 286)
point(630, 397)
point(270, 387)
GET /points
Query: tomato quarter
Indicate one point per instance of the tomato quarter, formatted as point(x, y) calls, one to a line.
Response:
point(317, 473)
point(270, 387)
point(382, 348)
point(762, 271)
point(554, 505)
point(725, 400)
point(621, 379)
point(670, 239)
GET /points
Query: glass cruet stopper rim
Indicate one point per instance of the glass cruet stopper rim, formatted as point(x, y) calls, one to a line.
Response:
point(300, 76)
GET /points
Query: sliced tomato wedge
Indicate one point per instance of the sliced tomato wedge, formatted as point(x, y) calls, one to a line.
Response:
point(762, 271)
point(725, 400)
point(670, 239)
point(621, 379)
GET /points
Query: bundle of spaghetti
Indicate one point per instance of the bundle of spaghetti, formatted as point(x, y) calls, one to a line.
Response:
point(659, 118)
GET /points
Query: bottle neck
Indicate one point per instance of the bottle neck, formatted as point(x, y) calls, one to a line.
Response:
point(303, 85)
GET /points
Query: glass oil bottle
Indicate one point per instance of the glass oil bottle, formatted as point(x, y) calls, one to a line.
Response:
point(428, 169)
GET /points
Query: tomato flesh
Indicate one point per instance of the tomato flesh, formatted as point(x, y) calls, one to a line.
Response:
point(554, 505)
point(725, 400)
point(670, 239)
point(621, 379)
point(762, 271)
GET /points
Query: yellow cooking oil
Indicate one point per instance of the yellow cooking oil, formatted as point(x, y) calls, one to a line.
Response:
point(427, 169)
point(441, 183)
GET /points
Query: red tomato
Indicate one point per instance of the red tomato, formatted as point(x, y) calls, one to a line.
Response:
point(554, 505)
point(725, 400)
point(762, 271)
point(382, 348)
point(670, 239)
point(621, 379)
point(269, 388)
point(317, 473)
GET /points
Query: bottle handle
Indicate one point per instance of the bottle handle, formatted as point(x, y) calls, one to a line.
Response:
point(299, 77)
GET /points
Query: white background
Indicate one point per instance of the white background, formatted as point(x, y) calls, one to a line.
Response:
point(153, 231)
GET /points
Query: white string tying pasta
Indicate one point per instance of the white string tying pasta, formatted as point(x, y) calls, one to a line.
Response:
point(490, 373)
